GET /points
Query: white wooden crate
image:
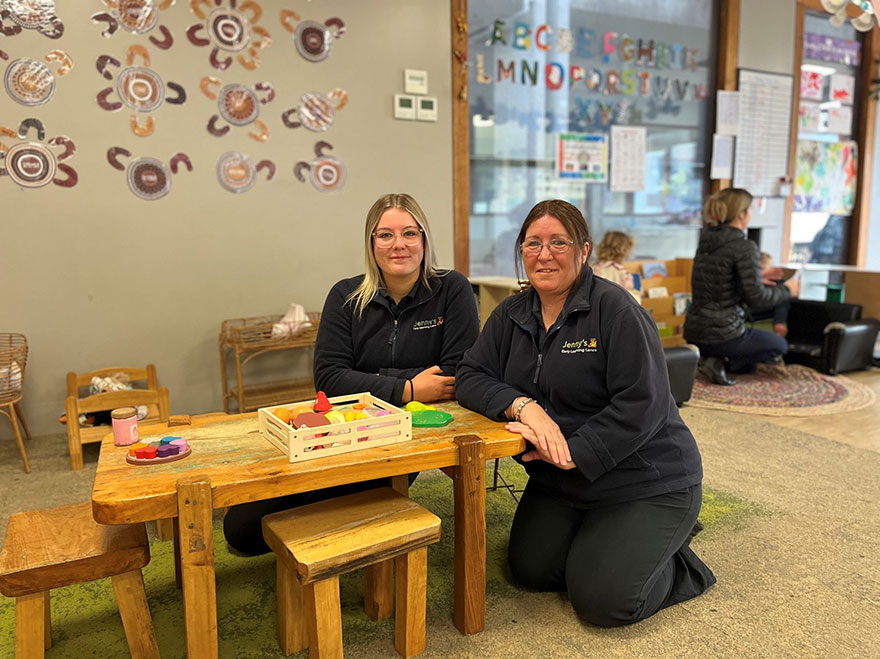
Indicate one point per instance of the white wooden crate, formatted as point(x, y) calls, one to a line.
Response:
point(336, 438)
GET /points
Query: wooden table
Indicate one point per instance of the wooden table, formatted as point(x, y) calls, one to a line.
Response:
point(231, 464)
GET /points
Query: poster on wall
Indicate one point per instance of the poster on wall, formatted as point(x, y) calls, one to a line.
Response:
point(582, 157)
point(840, 120)
point(842, 88)
point(628, 146)
point(825, 180)
point(764, 126)
point(812, 85)
point(809, 117)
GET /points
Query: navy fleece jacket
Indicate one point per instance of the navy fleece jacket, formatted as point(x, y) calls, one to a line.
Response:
point(390, 343)
point(600, 374)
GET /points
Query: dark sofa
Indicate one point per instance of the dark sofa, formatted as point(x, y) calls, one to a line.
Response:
point(831, 337)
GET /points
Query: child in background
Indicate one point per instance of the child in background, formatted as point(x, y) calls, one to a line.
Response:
point(772, 276)
point(614, 249)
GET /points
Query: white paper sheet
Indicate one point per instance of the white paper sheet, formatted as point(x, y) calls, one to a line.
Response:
point(628, 144)
point(727, 113)
point(722, 157)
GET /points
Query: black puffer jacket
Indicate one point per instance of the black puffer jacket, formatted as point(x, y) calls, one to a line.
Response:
point(726, 278)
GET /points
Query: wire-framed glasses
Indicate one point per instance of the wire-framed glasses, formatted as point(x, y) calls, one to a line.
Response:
point(555, 245)
point(387, 238)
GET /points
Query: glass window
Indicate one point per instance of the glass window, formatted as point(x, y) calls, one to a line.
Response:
point(539, 70)
point(827, 156)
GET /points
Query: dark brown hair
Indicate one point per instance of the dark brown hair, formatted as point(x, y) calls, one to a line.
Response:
point(571, 218)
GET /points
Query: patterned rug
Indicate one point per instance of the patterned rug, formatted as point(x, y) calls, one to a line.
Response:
point(783, 391)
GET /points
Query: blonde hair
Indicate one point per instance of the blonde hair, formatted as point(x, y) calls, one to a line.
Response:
point(373, 279)
point(725, 206)
point(615, 246)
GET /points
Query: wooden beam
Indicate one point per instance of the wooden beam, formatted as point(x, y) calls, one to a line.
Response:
point(861, 217)
point(802, 7)
point(728, 58)
point(461, 169)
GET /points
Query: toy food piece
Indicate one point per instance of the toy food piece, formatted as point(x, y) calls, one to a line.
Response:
point(351, 415)
point(310, 420)
point(321, 403)
point(299, 409)
point(282, 413)
point(334, 416)
point(430, 418)
point(416, 406)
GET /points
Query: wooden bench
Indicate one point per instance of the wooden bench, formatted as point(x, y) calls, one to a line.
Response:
point(46, 549)
point(314, 544)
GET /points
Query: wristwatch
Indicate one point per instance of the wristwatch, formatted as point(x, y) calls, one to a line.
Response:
point(519, 408)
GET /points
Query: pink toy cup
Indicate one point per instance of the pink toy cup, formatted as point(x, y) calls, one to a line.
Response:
point(125, 428)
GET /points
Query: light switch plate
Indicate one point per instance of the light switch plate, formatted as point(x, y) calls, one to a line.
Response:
point(415, 81)
point(426, 108)
point(404, 106)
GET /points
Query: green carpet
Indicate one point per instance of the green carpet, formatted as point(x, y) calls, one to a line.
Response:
point(86, 622)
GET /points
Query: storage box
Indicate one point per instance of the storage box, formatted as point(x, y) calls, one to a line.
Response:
point(310, 443)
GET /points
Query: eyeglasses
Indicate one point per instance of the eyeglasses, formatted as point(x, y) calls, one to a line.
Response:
point(556, 246)
point(385, 238)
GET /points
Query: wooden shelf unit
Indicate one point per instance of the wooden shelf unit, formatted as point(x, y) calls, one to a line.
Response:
point(663, 308)
point(246, 338)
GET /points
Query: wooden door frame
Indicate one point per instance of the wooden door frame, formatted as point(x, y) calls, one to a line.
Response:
point(864, 134)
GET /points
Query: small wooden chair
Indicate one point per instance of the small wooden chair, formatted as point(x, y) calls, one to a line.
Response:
point(154, 396)
point(46, 549)
point(13, 363)
point(314, 544)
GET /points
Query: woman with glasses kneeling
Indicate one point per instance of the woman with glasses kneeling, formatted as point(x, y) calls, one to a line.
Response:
point(575, 364)
point(398, 331)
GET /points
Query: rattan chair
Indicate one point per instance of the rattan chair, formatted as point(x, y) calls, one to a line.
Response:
point(13, 361)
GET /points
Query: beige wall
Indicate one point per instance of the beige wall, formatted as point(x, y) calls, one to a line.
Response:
point(766, 35)
point(96, 277)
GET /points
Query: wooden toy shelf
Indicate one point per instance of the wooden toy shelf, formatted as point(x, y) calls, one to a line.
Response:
point(246, 338)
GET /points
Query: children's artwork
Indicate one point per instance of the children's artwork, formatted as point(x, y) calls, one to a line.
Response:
point(238, 105)
point(30, 82)
point(809, 116)
point(34, 164)
point(316, 111)
point(231, 29)
point(148, 178)
point(582, 157)
point(654, 269)
point(812, 85)
point(840, 120)
point(312, 39)
point(237, 172)
point(842, 87)
point(326, 172)
point(138, 87)
point(135, 17)
point(825, 180)
point(39, 15)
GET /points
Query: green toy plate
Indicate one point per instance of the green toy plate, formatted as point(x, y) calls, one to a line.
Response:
point(430, 418)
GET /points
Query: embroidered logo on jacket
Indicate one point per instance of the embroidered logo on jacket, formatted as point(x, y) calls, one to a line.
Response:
point(427, 324)
point(581, 345)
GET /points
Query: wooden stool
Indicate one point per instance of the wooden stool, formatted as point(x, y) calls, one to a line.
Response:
point(47, 549)
point(318, 542)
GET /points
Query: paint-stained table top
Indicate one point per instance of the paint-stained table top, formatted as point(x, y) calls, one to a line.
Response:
point(243, 466)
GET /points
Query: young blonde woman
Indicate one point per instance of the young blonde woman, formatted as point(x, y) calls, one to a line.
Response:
point(726, 281)
point(397, 331)
point(615, 248)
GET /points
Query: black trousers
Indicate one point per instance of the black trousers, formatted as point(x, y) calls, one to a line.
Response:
point(745, 352)
point(243, 524)
point(620, 564)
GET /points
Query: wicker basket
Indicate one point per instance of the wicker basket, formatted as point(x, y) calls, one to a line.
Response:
point(13, 362)
point(256, 333)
